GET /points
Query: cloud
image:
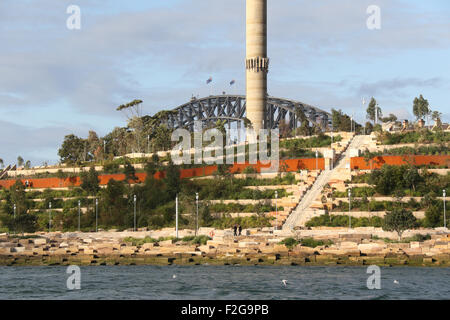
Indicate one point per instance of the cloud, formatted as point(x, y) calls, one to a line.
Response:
point(163, 52)
point(394, 87)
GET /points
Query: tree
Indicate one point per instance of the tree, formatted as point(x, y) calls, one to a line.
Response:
point(114, 205)
point(27, 164)
point(130, 173)
point(163, 138)
point(90, 181)
point(304, 129)
point(436, 116)
point(434, 216)
point(2, 164)
point(391, 118)
point(421, 107)
point(172, 180)
point(73, 149)
point(399, 220)
point(372, 108)
point(24, 222)
point(412, 177)
point(20, 161)
point(285, 130)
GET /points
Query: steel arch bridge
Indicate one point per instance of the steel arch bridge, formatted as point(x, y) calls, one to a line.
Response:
point(232, 108)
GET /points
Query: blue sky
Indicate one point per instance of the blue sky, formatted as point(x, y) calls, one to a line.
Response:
point(55, 81)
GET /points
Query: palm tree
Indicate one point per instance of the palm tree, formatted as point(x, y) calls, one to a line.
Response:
point(2, 164)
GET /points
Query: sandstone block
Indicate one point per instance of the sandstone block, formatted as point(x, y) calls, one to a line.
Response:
point(165, 243)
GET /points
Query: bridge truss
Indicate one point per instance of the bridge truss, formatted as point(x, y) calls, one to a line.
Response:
point(232, 109)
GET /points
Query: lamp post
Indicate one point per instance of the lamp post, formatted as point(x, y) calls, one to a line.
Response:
point(79, 215)
point(15, 207)
point(196, 219)
point(317, 160)
point(332, 149)
point(349, 208)
point(376, 113)
point(364, 105)
point(96, 215)
point(134, 201)
point(276, 210)
point(176, 217)
point(49, 217)
point(148, 143)
point(444, 192)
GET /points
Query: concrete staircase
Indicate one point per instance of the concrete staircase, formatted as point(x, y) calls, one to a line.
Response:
point(303, 212)
point(4, 173)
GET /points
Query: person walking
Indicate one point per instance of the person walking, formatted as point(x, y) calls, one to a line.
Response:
point(235, 230)
point(240, 229)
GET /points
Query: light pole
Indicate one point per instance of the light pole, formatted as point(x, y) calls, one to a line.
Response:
point(79, 215)
point(148, 143)
point(376, 114)
point(364, 105)
point(176, 216)
point(444, 192)
point(317, 160)
point(349, 208)
point(96, 215)
point(15, 207)
point(332, 149)
point(196, 219)
point(276, 210)
point(134, 200)
point(49, 217)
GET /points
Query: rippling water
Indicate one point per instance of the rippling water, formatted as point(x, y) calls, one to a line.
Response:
point(223, 283)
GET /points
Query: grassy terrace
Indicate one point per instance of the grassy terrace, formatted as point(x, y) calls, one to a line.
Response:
point(422, 136)
point(422, 150)
point(290, 149)
point(396, 182)
point(155, 204)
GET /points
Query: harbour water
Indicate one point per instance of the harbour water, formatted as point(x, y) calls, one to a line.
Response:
point(223, 283)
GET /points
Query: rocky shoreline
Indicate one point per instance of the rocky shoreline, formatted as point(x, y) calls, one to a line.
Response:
point(355, 249)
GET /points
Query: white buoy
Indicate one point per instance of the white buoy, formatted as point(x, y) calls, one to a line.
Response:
point(174, 276)
point(284, 282)
point(396, 282)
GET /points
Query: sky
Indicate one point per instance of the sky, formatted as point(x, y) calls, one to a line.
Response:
point(55, 81)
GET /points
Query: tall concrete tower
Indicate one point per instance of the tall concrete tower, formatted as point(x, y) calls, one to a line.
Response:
point(257, 63)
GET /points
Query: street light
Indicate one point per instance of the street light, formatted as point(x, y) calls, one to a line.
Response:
point(96, 215)
point(176, 216)
point(349, 208)
point(196, 219)
point(134, 200)
point(79, 215)
point(444, 192)
point(15, 218)
point(364, 105)
point(49, 216)
point(148, 143)
point(276, 210)
point(317, 160)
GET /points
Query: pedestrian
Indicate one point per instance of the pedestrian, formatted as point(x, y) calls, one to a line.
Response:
point(240, 229)
point(235, 230)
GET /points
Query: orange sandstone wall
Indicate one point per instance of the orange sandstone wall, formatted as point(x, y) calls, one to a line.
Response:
point(291, 165)
point(378, 162)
